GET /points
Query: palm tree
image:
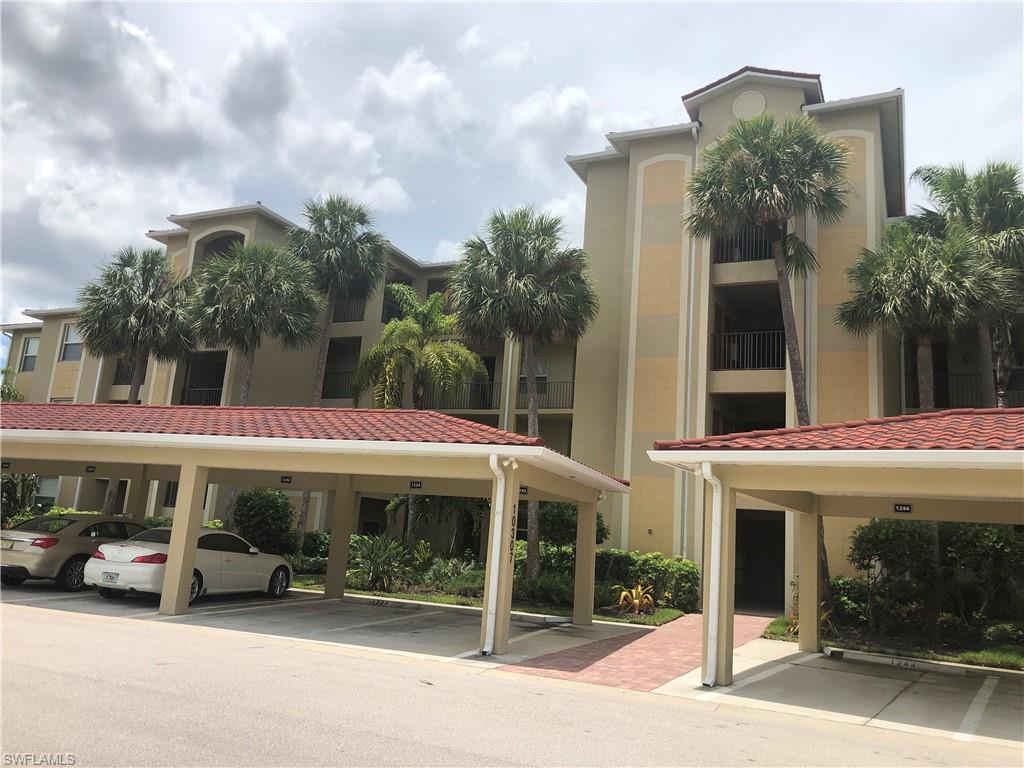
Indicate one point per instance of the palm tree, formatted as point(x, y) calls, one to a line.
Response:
point(921, 285)
point(349, 261)
point(519, 282)
point(418, 348)
point(252, 291)
point(763, 173)
point(137, 308)
point(990, 205)
point(9, 393)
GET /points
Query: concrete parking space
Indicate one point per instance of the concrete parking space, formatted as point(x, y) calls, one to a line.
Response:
point(775, 676)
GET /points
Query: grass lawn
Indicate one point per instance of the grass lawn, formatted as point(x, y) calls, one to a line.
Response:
point(656, 619)
point(1002, 656)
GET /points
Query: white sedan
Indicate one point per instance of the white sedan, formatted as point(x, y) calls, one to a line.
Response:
point(225, 562)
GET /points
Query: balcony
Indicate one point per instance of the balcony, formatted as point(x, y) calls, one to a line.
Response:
point(201, 395)
point(124, 372)
point(748, 245)
point(349, 310)
point(475, 396)
point(550, 395)
point(338, 385)
point(963, 390)
point(748, 351)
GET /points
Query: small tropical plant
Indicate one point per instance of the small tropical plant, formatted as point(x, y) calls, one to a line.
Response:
point(8, 392)
point(422, 556)
point(379, 561)
point(635, 600)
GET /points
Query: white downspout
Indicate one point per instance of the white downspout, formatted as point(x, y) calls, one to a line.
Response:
point(715, 584)
point(494, 555)
point(695, 131)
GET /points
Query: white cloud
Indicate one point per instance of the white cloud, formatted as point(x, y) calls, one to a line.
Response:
point(472, 39)
point(447, 250)
point(571, 207)
point(512, 55)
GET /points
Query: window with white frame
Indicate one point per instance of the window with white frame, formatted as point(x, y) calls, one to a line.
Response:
point(541, 364)
point(46, 493)
point(62, 399)
point(29, 354)
point(71, 346)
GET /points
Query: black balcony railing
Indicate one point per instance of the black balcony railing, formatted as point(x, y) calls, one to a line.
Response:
point(550, 394)
point(748, 351)
point(339, 385)
point(124, 372)
point(748, 245)
point(963, 390)
point(475, 396)
point(201, 395)
point(349, 310)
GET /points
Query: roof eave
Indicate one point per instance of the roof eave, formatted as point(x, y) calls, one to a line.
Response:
point(692, 459)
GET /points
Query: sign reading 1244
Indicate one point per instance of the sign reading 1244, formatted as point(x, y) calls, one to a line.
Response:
point(902, 509)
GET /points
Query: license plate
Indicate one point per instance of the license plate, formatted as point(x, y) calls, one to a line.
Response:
point(109, 577)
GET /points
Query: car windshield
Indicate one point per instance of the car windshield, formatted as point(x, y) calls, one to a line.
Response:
point(44, 524)
point(156, 535)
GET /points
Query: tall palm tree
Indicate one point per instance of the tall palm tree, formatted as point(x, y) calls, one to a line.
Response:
point(135, 309)
point(349, 261)
point(253, 291)
point(921, 285)
point(419, 348)
point(990, 205)
point(763, 172)
point(521, 283)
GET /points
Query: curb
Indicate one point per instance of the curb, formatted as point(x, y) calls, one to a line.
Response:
point(918, 665)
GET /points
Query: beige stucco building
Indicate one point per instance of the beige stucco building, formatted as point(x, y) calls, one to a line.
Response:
point(688, 341)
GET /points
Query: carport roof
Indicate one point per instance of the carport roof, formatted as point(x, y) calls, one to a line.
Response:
point(968, 429)
point(270, 422)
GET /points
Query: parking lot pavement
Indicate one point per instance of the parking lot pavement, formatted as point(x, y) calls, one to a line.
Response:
point(775, 676)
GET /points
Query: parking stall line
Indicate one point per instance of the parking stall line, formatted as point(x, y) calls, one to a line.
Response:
point(476, 651)
point(375, 623)
point(218, 611)
point(48, 598)
point(972, 719)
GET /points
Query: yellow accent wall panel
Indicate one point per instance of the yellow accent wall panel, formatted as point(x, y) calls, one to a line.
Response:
point(658, 285)
point(65, 379)
point(654, 399)
point(664, 182)
point(651, 503)
point(842, 390)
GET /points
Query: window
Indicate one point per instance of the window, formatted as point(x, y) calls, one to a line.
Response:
point(46, 524)
point(107, 530)
point(542, 376)
point(171, 493)
point(132, 529)
point(64, 400)
point(71, 346)
point(155, 535)
point(224, 542)
point(46, 493)
point(29, 354)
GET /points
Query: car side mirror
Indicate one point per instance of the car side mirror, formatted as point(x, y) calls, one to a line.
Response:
point(253, 551)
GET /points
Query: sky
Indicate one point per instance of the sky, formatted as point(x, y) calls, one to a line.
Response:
point(116, 115)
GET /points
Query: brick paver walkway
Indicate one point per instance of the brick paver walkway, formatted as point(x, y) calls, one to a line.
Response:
point(640, 662)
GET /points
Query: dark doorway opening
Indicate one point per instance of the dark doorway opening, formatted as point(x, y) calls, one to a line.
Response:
point(760, 560)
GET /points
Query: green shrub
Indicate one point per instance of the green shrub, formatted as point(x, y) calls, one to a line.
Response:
point(307, 565)
point(676, 580)
point(380, 560)
point(316, 543)
point(422, 557)
point(1005, 633)
point(216, 524)
point(265, 517)
point(558, 524)
point(605, 595)
point(469, 583)
point(850, 601)
point(683, 584)
point(443, 571)
point(547, 588)
point(158, 521)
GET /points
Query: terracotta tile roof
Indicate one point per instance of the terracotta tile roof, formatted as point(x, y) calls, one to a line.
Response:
point(756, 70)
point(970, 429)
point(304, 423)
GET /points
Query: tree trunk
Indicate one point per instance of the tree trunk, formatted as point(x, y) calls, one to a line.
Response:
point(986, 365)
point(138, 376)
point(410, 521)
point(925, 373)
point(110, 497)
point(796, 366)
point(533, 430)
point(318, 387)
point(243, 399)
point(933, 596)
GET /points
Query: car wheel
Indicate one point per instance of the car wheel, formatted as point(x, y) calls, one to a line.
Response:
point(111, 594)
point(278, 582)
point(71, 576)
point(196, 587)
point(12, 581)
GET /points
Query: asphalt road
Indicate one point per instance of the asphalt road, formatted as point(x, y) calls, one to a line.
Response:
point(116, 691)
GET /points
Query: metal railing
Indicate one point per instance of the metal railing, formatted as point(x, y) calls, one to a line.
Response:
point(748, 351)
point(124, 372)
point(748, 245)
point(338, 385)
point(201, 395)
point(963, 390)
point(475, 396)
point(349, 310)
point(550, 394)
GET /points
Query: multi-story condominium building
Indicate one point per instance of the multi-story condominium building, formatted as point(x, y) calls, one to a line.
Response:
point(688, 341)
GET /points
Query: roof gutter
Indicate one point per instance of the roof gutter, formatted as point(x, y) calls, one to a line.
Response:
point(910, 459)
point(494, 554)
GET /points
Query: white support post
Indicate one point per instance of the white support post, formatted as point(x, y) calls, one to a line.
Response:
point(138, 495)
point(586, 545)
point(342, 504)
point(810, 600)
point(181, 554)
point(495, 624)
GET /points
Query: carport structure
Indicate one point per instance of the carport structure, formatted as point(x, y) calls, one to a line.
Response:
point(344, 452)
point(961, 465)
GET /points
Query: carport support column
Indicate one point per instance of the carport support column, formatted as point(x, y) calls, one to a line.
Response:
point(501, 554)
point(586, 544)
point(181, 553)
point(810, 600)
point(138, 496)
point(719, 608)
point(342, 504)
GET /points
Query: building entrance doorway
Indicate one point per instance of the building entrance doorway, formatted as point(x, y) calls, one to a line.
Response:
point(760, 560)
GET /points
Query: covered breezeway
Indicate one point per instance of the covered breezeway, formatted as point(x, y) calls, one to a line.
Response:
point(963, 465)
point(343, 452)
